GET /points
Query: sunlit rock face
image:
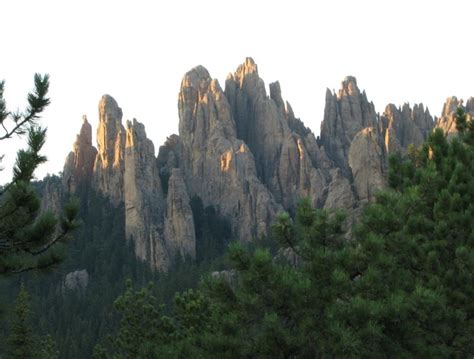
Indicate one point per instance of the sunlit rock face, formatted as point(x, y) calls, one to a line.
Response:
point(244, 152)
point(447, 121)
point(217, 166)
point(79, 164)
point(109, 163)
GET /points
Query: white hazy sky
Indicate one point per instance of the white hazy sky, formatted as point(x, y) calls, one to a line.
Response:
point(137, 51)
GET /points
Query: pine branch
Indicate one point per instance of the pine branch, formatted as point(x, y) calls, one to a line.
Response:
point(37, 101)
point(50, 244)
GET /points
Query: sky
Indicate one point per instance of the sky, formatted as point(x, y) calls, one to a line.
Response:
point(138, 51)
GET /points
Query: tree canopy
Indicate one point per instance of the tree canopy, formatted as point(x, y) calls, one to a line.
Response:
point(401, 287)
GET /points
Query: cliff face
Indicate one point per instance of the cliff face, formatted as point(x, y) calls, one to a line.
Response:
point(345, 115)
point(143, 197)
point(109, 163)
point(125, 170)
point(288, 160)
point(404, 126)
point(244, 152)
point(217, 166)
point(79, 164)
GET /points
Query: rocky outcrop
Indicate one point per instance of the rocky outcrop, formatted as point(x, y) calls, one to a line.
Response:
point(366, 161)
point(216, 165)
point(109, 163)
point(345, 115)
point(76, 281)
point(144, 202)
point(402, 127)
point(287, 157)
point(179, 231)
point(169, 157)
point(447, 121)
point(79, 164)
point(245, 153)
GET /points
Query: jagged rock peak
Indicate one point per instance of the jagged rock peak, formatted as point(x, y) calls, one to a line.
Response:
point(349, 87)
point(247, 67)
point(136, 132)
point(447, 121)
point(196, 77)
point(345, 114)
point(109, 166)
point(80, 161)
point(275, 95)
point(404, 126)
point(199, 92)
point(450, 106)
point(109, 109)
point(85, 135)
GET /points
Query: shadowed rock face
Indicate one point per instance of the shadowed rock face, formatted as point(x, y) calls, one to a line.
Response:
point(144, 202)
point(345, 115)
point(287, 157)
point(243, 152)
point(402, 127)
point(179, 231)
point(125, 170)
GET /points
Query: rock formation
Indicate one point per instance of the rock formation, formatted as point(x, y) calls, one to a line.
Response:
point(179, 225)
point(402, 127)
point(287, 158)
point(109, 164)
point(76, 281)
point(143, 197)
point(366, 161)
point(447, 121)
point(345, 115)
point(216, 165)
point(245, 153)
point(80, 161)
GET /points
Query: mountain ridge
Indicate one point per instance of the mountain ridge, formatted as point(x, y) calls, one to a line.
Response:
point(244, 152)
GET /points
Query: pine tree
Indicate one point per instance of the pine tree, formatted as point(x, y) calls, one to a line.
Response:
point(21, 341)
point(416, 254)
point(402, 287)
point(26, 236)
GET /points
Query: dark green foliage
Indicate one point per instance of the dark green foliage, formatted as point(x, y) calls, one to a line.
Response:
point(213, 232)
point(22, 343)
point(141, 325)
point(416, 255)
point(78, 320)
point(403, 287)
point(26, 236)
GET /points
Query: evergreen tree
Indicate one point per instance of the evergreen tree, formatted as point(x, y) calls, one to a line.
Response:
point(21, 341)
point(26, 237)
point(403, 287)
point(416, 254)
